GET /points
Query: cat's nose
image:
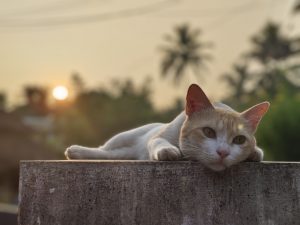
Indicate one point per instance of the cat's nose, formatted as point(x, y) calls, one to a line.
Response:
point(223, 153)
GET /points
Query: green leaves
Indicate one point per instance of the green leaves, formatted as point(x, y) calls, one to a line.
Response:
point(279, 132)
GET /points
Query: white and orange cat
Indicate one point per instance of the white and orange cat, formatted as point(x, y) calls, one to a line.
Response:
point(213, 134)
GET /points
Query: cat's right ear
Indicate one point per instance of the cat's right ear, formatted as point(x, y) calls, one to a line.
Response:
point(255, 113)
point(196, 100)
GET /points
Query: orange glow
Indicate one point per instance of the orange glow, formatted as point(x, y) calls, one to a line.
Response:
point(60, 93)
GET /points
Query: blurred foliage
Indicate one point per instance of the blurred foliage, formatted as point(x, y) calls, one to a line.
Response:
point(280, 129)
point(237, 81)
point(77, 83)
point(271, 44)
point(96, 115)
point(2, 101)
point(36, 101)
point(275, 77)
point(183, 50)
point(265, 70)
point(296, 7)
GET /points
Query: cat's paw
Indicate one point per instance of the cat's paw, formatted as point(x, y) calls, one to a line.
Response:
point(168, 154)
point(74, 152)
point(256, 156)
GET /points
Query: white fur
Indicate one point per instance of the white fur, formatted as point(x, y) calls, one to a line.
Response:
point(155, 141)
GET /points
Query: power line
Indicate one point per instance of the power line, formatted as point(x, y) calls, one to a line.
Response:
point(46, 8)
point(230, 15)
point(57, 21)
point(209, 12)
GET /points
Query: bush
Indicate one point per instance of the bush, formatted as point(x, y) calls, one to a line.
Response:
point(279, 132)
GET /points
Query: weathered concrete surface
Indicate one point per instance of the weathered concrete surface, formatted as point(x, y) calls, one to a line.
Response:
point(139, 192)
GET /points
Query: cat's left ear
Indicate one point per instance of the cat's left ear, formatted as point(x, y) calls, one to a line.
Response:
point(254, 114)
point(196, 100)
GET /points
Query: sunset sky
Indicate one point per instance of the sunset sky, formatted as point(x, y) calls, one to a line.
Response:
point(43, 42)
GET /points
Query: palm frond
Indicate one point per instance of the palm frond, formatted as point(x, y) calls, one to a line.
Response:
point(228, 78)
point(183, 50)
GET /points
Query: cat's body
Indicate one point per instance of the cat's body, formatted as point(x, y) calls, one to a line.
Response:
point(204, 132)
point(130, 145)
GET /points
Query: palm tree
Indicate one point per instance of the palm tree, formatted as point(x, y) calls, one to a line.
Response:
point(37, 99)
point(271, 45)
point(2, 101)
point(274, 50)
point(183, 51)
point(275, 81)
point(77, 82)
point(237, 81)
point(296, 7)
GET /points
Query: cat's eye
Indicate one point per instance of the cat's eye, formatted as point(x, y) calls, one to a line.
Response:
point(209, 132)
point(239, 140)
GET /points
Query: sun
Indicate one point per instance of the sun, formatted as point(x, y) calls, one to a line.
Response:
point(60, 92)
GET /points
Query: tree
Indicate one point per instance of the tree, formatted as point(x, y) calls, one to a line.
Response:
point(36, 101)
point(77, 83)
point(296, 7)
point(275, 81)
point(273, 51)
point(279, 130)
point(183, 51)
point(2, 101)
point(272, 45)
point(237, 81)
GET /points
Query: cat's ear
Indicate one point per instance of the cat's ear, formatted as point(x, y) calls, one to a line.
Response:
point(254, 114)
point(196, 100)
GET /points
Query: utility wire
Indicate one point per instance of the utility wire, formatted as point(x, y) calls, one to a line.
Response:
point(46, 8)
point(209, 12)
point(231, 15)
point(63, 20)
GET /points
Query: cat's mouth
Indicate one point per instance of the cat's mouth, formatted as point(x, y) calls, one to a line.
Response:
point(218, 165)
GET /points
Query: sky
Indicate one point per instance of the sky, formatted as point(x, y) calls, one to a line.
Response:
point(44, 42)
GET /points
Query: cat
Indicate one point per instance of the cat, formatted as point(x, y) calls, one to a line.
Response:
point(213, 134)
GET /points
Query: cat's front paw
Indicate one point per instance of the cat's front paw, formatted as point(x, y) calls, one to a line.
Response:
point(74, 152)
point(257, 155)
point(168, 154)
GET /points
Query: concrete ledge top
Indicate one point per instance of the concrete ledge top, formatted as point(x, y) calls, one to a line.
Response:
point(141, 162)
point(174, 165)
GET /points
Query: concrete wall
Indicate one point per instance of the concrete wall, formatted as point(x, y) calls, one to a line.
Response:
point(139, 192)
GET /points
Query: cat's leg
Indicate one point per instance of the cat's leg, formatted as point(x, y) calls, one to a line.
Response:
point(80, 152)
point(256, 156)
point(128, 145)
point(160, 149)
point(120, 146)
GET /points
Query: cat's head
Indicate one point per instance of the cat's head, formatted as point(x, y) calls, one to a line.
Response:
point(216, 135)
